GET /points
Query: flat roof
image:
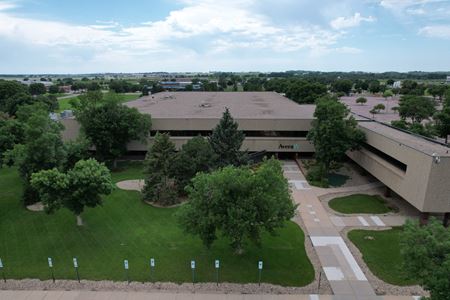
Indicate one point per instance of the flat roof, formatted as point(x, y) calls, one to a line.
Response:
point(211, 105)
point(415, 142)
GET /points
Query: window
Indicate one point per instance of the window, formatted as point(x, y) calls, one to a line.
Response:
point(395, 162)
point(248, 133)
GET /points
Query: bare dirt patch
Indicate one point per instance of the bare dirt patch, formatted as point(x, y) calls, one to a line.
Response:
point(38, 206)
point(131, 185)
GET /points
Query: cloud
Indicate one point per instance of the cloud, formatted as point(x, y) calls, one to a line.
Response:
point(436, 31)
point(223, 26)
point(424, 8)
point(7, 5)
point(348, 50)
point(343, 22)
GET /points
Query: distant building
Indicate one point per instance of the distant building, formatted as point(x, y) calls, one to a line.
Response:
point(28, 82)
point(397, 84)
point(448, 79)
point(179, 85)
point(66, 88)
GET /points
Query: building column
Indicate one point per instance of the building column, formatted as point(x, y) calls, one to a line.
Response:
point(424, 216)
point(388, 192)
point(446, 219)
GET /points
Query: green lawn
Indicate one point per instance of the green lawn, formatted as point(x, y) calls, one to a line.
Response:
point(64, 104)
point(126, 228)
point(382, 254)
point(360, 204)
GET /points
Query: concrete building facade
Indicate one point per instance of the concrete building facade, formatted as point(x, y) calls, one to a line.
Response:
point(415, 168)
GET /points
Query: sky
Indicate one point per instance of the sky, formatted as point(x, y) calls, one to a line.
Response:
point(96, 36)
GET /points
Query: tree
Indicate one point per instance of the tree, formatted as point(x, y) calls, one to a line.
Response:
point(437, 90)
point(402, 124)
point(226, 142)
point(75, 151)
point(195, 156)
point(374, 86)
point(53, 89)
point(109, 125)
point(11, 133)
point(159, 182)
point(333, 132)
point(93, 86)
point(379, 107)
point(37, 89)
point(442, 120)
point(426, 256)
point(415, 107)
point(41, 148)
point(361, 100)
point(80, 187)
point(342, 85)
point(237, 202)
point(373, 111)
point(447, 97)
point(387, 94)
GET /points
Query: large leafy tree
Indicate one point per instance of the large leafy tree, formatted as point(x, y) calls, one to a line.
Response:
point(416, 108)
point(226, 142)
point(442, 120)
point(195, 156)
point(437, 90)
point(333, 132)
point(11, 133)
point(109, 125)
point(159, 182)
point(238, 203)
point(37, 89)
point(426, 256)
point(41, 147)
point(80, 187)
point(343, 86)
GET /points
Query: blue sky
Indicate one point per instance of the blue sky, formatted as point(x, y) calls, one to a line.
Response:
point(38, 36)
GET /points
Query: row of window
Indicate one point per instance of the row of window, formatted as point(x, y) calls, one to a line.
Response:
point(393, 161)
point(248, 133)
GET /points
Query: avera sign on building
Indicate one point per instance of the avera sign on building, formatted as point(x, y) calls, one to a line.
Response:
point(289, 147)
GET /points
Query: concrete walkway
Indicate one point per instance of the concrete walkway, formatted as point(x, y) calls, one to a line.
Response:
point(346, 278)
point(364, 220)
point(93, 295)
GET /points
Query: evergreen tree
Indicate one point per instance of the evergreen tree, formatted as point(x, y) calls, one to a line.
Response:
point(159, 182)
point(226, 141)
point(195, 156)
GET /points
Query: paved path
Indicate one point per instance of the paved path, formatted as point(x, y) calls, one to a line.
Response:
point(365, 220)
point(358, 188)
point(346, 278)
point(90, 295)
